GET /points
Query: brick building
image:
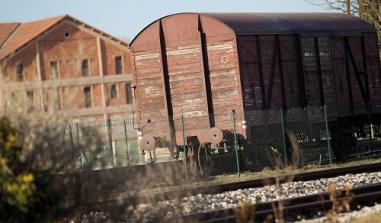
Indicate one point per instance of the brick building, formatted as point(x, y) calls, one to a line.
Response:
point(61, 64)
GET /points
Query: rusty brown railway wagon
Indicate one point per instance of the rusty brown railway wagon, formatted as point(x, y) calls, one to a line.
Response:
point(204, 65)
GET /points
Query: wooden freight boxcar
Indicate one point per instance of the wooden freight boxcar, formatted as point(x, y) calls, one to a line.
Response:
point(204, 65)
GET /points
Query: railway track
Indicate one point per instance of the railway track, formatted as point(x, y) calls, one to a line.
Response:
point(293, 208)
point(117, 207)
point(327, 173)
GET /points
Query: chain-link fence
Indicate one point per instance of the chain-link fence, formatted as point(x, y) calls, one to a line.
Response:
point(260, 139)
point(109, 143)
point(212, 144)
point(103, 144)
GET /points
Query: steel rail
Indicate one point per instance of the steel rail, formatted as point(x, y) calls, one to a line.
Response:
point(293, 207)
point(118, 206)
point(214, 189)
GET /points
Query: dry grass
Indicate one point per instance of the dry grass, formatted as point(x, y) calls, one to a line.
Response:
point(247, 176)
point(371, 218)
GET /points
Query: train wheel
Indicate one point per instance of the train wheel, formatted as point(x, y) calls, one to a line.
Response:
point(204, 160)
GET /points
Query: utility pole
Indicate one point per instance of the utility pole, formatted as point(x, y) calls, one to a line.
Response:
point(348, 3)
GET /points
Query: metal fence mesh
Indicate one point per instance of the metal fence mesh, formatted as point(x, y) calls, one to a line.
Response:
point(263, 138)
point(103, 144)
point(309, 128)
point(212, 144)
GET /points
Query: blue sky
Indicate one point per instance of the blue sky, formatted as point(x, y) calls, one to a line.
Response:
point(125, 18)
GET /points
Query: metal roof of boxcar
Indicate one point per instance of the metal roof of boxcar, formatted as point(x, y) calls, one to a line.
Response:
point(272, 23)
point(249, 23)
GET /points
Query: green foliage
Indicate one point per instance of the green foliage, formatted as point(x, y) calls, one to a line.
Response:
point(24, 193)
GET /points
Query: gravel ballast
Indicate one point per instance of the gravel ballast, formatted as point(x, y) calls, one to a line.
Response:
point(209, 202)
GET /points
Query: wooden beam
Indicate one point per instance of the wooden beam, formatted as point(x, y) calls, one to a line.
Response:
point(94, 111)
point(206, 75)
point(318, 69)
point(300, 71)
point(260, 72)
point(280, 67)
point(365, 67)
point(73, 82)
point(272, 74)
point(2, 92)
point(101, 73)
point(357, 73)
point(347, 69)
point(166, 87)
point(97, 34)
point(39, 76)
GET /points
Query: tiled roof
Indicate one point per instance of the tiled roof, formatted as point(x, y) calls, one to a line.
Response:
point(6, 30)
point(24, 33)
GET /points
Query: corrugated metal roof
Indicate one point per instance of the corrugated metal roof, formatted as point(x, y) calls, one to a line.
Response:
point(252, 23)
point(295, 23)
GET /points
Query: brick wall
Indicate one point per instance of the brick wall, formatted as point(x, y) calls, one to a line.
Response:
point(69, 44)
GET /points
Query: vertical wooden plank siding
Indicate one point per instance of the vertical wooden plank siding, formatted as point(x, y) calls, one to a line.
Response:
point(280, 67)
point(318, 68)
point(348, 73)
point(206, 75)
point(166, 86)
point(260, 72)
point(300, 72)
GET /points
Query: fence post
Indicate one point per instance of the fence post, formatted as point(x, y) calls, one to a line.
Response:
point(72, 151)
point(327, 135)
point(236, 143)
point(79, 143)
point(185, 149)
point(283, 136)
point(71, 137)
point(109, 132)
point(126, 140)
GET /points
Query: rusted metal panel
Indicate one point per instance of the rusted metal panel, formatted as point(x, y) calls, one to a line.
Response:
point(290, 23)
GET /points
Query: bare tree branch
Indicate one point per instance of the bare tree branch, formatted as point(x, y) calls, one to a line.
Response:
point(368, 10)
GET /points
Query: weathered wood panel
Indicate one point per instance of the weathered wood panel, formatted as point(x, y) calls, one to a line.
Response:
point(186, 86)
point(269, 71)
point(342, 88)
point(225, 81)
point(150, 93)
point(373, 70)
